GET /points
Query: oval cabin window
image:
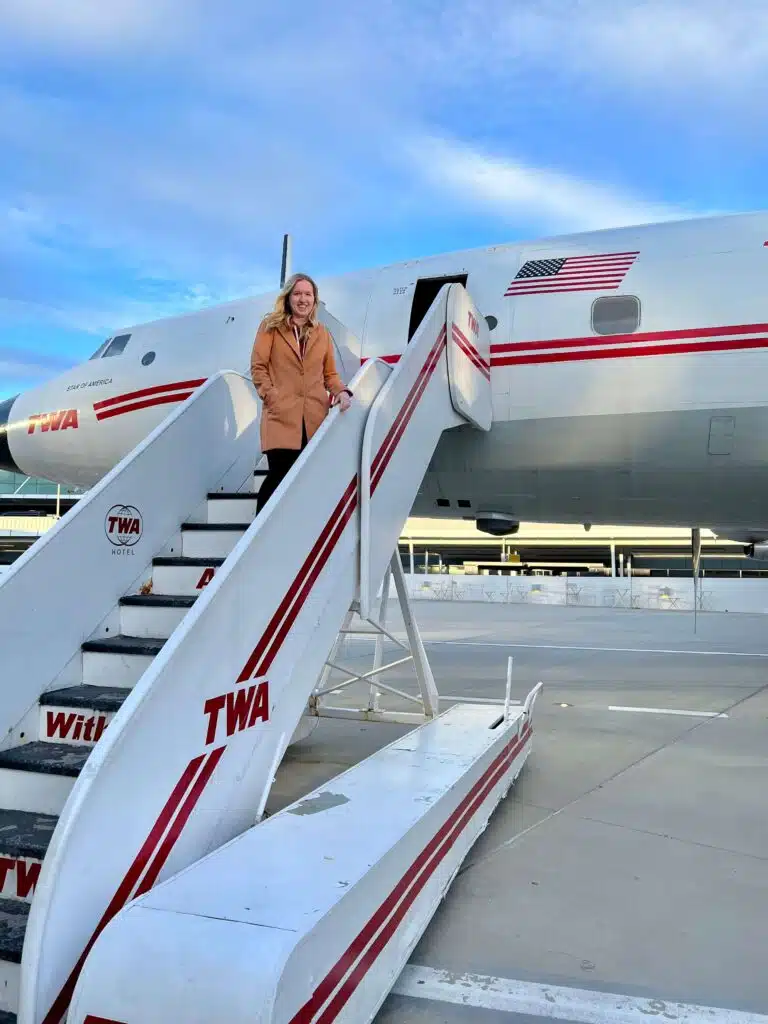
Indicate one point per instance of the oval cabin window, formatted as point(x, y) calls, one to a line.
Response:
point(616, 314)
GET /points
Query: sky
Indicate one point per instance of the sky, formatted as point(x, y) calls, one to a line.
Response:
point(153, 152)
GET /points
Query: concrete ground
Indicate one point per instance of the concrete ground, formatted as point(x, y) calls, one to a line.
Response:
point(632, 855)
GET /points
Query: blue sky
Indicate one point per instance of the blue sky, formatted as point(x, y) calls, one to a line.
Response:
point(154, 151)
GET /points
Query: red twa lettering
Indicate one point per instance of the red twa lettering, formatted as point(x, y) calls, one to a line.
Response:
point(59, 420)
point(26, 878)
point(244, 708)
point(474, 326)
point(26, 875)
point(205, 579)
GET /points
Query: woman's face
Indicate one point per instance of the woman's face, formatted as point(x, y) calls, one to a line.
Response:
point(302, 299)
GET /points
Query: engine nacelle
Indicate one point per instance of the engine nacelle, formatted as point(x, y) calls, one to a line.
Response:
point(757, 550)
point(497, 524)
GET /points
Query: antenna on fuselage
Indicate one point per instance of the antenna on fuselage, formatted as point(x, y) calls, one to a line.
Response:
point(285, 268)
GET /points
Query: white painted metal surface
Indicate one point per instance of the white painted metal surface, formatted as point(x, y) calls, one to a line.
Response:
point(469, 359)
point(78, 561)
point(409, 415)
point(311, 915)
point(195, 742)
point(149, 621)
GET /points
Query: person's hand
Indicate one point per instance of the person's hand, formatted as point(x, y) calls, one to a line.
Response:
point(343, 400)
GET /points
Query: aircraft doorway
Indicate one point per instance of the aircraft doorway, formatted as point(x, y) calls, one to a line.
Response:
point(424, 295)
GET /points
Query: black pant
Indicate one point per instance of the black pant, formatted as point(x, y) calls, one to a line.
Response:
point(279, 462)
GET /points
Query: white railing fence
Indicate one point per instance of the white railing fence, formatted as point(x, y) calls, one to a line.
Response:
point(650, 593)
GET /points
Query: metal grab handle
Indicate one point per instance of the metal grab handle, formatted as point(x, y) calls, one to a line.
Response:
point(530, 700)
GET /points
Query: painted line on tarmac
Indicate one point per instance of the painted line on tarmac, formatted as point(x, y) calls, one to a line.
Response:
point(556, 1002)
point(575, 647)
point(612, 650)
point(670, 711)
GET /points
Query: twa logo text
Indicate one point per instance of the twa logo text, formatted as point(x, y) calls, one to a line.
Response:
point(61, 420)
point(237, 711)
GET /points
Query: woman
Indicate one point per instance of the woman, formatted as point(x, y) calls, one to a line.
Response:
point(293, 368)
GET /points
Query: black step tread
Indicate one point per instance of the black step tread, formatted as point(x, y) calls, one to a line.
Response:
point(159, 600)
point(13, 924)
point(192, 563)
point(260, 472)
point(47, 758)
point(125, 645)
point(99, 698)
point(233, 495)
point(7, 1018)
point(25, 834)
point(215, 526)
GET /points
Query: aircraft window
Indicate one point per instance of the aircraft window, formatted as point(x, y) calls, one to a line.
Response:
point(116, 346)
point(98, 353)
point(492, 322)
point(616, 314)
point(147, 358)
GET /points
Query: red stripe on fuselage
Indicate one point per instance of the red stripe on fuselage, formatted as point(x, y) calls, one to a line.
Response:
point(158, 389)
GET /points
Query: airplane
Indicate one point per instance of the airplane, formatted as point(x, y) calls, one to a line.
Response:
point(628, 370)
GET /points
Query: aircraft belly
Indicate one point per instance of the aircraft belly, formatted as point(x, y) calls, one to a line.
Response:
point(664, 468)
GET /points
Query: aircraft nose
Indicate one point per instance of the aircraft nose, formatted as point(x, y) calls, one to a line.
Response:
point(6, 459)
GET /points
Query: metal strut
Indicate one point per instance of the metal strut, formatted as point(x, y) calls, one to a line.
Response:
point(428, 699)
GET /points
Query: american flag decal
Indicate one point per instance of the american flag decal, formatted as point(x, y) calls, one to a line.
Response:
point(572, 274)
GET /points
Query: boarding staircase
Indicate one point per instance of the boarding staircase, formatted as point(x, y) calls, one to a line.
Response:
point(162, 649)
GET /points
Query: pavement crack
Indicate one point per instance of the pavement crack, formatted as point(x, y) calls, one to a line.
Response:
point(701, 724)
point(674, 839)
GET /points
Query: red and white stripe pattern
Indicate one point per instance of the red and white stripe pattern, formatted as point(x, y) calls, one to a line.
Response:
point(603, 272)
point(339, 985)
point(149, 861)
point(153, 855)
point(396, 431)
point(145, 398)
point(265, 651)
point(734, 338)
point(470, 351)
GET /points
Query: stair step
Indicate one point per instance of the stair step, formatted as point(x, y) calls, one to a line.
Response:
point(38, 777)
point(97, 705)
point(189, 576)
point(196, 563)
point(24, 839)
point(147, 646)
point(158, 601)
point(13, 924)
point(7, 1018)
point(231, 496)
point(118, 660)
point(213, 527)
point(24, 834)
point(215, 540)
point(46, 758)
point(95, 698)
point(231, 507)
point(153, 615)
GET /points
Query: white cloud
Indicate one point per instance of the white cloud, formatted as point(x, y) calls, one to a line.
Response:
point(707, 48)
point(85, 24)
point(517, 191)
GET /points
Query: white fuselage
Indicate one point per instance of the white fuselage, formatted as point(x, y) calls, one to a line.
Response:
point(652, 410)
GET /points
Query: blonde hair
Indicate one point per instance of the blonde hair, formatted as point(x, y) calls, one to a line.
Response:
point(280, 315)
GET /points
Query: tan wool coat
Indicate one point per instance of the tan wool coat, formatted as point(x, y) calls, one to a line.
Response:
point(293, 389)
